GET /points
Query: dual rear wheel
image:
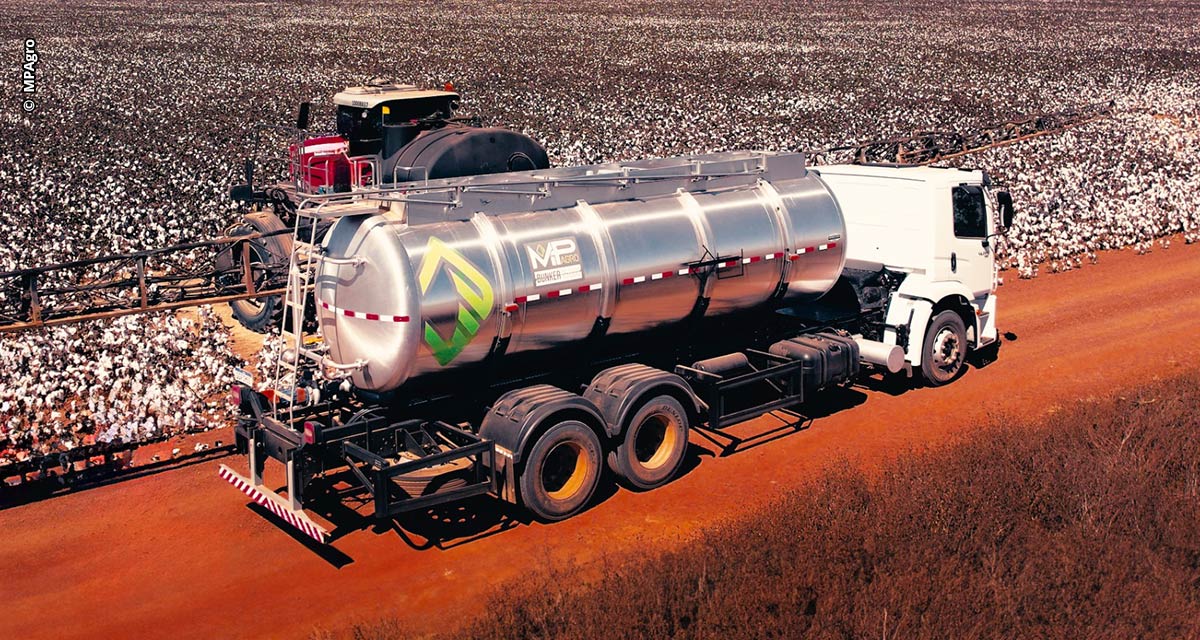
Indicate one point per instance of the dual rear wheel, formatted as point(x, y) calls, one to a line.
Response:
point(561, 471)
point(654, 442)
point(563, 468)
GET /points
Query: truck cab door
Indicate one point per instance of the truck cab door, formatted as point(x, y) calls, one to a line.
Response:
point(971, 262)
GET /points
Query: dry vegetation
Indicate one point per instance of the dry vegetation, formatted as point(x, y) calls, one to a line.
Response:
point(1087, 525)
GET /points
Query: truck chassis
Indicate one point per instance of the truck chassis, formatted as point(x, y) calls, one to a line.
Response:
point(343, 434)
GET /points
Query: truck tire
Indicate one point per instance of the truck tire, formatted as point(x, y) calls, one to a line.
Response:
point(561, 471)
point(454, 474)
point(944, 351)
point(655, 440)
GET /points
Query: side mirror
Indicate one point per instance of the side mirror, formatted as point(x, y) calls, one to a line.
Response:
point(1004, 199)
point(302, 117)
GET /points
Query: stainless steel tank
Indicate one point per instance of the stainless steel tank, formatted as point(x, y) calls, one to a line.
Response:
point(427, 297)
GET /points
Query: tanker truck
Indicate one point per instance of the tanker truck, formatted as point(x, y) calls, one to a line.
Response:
point(531, 334)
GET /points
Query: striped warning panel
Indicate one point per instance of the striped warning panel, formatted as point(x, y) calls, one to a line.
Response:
point(299, 521)
point(360, 314)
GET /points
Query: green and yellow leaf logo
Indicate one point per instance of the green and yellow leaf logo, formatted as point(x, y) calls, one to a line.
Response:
point(475, 298)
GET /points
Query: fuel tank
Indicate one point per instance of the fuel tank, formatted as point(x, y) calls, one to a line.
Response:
point(541, 259)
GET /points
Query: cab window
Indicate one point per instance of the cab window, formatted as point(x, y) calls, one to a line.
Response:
point(970, 214)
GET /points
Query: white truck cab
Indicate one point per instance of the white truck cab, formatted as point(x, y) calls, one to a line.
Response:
point(936, 226)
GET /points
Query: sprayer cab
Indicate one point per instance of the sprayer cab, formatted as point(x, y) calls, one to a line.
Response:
point(389, 133)
point(382, 117)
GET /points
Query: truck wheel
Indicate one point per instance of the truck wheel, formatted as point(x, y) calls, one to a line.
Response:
point(654, 444)
point(945, 349)
point(561, 471)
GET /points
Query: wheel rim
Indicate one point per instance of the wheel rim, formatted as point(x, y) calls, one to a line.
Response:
point(947, 350)
point(564, 470)
point(655, 441)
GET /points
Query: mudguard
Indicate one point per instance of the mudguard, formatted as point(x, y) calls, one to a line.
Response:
point(912, 305)
point(516, 415)
point(616, 392)
point(915, 286)
point(914, 313)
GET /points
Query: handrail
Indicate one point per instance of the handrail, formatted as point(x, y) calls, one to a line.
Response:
point(398, 167)
point(412, 191)
point(354, 261)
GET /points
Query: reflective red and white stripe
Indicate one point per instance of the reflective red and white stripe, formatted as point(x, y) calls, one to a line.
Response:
point(688, 270)
point(803, 250)
point(659, 275)
point(654, 276)
point(360, 314)
point(557, 293)
point(769, 256)
point(303, 524)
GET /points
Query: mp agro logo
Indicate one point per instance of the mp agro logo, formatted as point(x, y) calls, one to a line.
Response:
point(555, 261)
point(475, 298)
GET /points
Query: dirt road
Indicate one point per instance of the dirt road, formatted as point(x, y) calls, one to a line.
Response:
point(181, 553)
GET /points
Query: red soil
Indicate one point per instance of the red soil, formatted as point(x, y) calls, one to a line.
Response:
point(181, 553)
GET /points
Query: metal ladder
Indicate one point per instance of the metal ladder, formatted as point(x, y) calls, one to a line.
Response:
point(301, 282)
point(303, 264)
point(301, 349)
